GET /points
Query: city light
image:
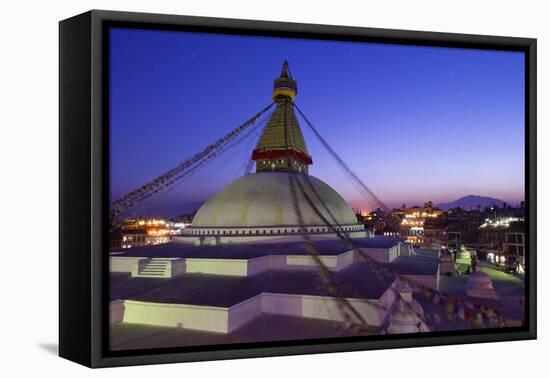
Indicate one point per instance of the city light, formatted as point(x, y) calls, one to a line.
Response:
point(500, 222)
point(144, 231)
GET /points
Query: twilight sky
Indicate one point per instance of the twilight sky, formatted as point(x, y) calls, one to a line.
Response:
point(414, 123)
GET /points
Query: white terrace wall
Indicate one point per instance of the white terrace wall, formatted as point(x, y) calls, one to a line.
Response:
point(224, 267)
point(244, 312)
point(224, 320)
point(126, 264)
point(204, 318)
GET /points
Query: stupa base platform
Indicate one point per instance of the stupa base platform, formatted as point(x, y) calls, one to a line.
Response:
point(225, 291)
point(250, 250)
point(225, 288)
point(224, 304)
point(174, 259)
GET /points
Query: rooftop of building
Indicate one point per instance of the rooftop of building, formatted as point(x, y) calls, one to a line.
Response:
point(356, 281)
point(516, 227)
point(415, 265)
point(509, 289)
point(266, 327)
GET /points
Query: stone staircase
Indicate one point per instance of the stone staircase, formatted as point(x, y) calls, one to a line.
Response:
point(156, 268)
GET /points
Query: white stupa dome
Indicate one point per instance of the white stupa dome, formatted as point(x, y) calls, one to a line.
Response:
point(265, 199)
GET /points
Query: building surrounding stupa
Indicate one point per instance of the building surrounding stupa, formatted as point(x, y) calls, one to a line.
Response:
point(262, 205)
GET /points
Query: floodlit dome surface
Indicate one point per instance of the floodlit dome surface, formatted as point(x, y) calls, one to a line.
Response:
point(265, 199)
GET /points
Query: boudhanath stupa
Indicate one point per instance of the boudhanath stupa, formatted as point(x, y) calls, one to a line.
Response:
point(260, 206)
point(242, 272)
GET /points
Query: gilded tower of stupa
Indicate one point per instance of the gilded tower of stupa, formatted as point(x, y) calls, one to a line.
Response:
point(282, 146)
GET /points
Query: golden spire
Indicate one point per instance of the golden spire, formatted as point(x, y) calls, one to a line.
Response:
point(284, 87)
point(281, 146)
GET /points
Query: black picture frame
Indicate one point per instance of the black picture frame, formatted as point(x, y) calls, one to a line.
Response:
point(84, 195)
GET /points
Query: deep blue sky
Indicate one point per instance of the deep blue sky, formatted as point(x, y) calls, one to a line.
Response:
point(415, 123)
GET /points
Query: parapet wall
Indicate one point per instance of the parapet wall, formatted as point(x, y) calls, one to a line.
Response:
point(227, 319)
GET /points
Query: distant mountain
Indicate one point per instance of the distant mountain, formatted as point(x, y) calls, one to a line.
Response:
point(471, 202)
